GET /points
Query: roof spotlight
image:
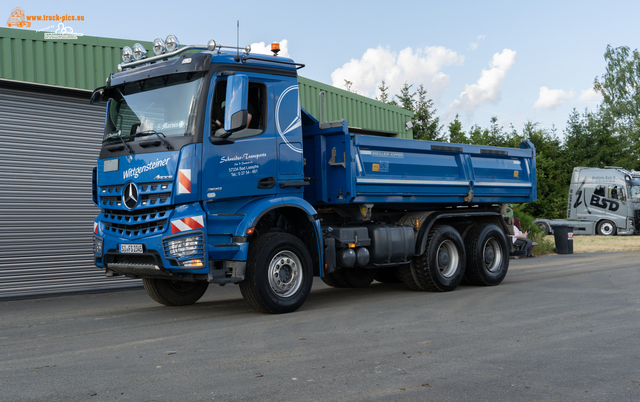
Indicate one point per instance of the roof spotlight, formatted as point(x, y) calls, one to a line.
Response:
point(211, 45)
point(139, 52)
point(171, 43)
point(158, 46)
point(127, 54)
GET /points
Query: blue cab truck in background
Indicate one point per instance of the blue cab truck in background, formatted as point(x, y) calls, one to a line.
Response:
point(211, 172)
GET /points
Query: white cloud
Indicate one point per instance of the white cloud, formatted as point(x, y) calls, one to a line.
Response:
point(262, 48)
point(550, 98)
point(474, 45)
point(488, 89)
point(422, 66)
point(589, 95)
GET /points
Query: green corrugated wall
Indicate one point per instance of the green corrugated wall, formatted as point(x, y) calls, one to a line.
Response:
point(86, 62)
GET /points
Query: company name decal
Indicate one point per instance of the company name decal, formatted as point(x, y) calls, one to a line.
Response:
point(134, 172)
point(244, 157)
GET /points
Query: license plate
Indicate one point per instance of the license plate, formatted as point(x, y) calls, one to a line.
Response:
point(131, 248)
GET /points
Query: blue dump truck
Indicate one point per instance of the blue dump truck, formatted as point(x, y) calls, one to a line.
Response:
point(211, 172)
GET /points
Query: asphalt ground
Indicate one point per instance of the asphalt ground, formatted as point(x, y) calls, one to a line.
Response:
point(559, 328)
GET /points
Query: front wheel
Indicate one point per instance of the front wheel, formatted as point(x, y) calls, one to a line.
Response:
point(279, 274)
point(607, 228)
point(487, 255)
point(174, 293)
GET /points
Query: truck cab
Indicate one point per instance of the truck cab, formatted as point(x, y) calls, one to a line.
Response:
point(601, 201)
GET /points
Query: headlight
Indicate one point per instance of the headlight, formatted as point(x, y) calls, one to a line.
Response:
point(171, 43)
point(158, 46)
point(127, 54)
point(139, 52)
point(184, 247)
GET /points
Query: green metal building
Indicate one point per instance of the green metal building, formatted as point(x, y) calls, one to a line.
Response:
point(50, 138)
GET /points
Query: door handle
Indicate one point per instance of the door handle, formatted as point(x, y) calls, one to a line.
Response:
point(267, 182)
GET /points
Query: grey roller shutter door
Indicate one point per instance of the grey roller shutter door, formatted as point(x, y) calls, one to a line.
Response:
point(49, 142)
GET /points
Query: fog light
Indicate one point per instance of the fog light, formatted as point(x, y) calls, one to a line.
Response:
point(127, 54)
point(193, 263)
point(97, 246)
point(158, 46)
point(139, 52)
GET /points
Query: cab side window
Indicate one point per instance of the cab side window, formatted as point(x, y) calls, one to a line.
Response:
point(257, 107)
point(600, 191)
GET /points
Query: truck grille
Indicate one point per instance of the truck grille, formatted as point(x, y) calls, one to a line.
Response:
point(151, 194)
point(136, 223)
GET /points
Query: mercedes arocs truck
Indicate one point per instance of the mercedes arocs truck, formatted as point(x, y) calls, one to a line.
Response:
point(211, 172)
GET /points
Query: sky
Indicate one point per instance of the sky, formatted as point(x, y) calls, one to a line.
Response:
point(518, 61)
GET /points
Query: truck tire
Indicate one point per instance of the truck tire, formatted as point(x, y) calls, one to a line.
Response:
point(174, 293)
point(607, 228)
point(441, 267)
point(279, 273)
point(487, 255)
point(405, 274)
point(544, 227)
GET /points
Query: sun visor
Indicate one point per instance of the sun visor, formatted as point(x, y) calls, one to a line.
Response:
point(188, 62)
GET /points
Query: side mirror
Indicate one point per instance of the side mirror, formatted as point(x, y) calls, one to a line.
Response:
point(236, 114)
point(97, 95)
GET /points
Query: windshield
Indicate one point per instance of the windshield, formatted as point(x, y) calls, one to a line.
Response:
point(634, 193)
point(165, 105)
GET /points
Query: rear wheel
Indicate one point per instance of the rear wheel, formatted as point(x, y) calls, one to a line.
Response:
point(487, 255)
point(441, 267)
point(279, 273)
point(174, 293)
point(607, 228)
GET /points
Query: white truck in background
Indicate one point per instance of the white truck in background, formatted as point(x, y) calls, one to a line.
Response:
point(601, 201)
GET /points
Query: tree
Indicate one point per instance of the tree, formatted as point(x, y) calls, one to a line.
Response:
point(591, 142)
point(620, 89)
point(456, 134)
point(348, 84)
point(426, 124)
point(552, 175)
point(384, 94)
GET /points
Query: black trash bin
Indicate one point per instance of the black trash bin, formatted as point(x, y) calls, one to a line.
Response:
point(563, 235)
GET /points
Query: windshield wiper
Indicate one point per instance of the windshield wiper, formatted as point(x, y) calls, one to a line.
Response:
point(158, 134)
point(123, 141)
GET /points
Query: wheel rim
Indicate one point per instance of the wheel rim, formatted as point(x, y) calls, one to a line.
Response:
point(492, 255)
point(447, 259)
point(285, 273)
point(606, 228)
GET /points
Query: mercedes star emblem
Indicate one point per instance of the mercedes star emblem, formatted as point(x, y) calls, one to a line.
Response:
point(130, 196)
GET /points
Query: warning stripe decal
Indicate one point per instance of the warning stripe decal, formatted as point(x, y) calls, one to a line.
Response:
point(191, 223)
point(184, 181)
